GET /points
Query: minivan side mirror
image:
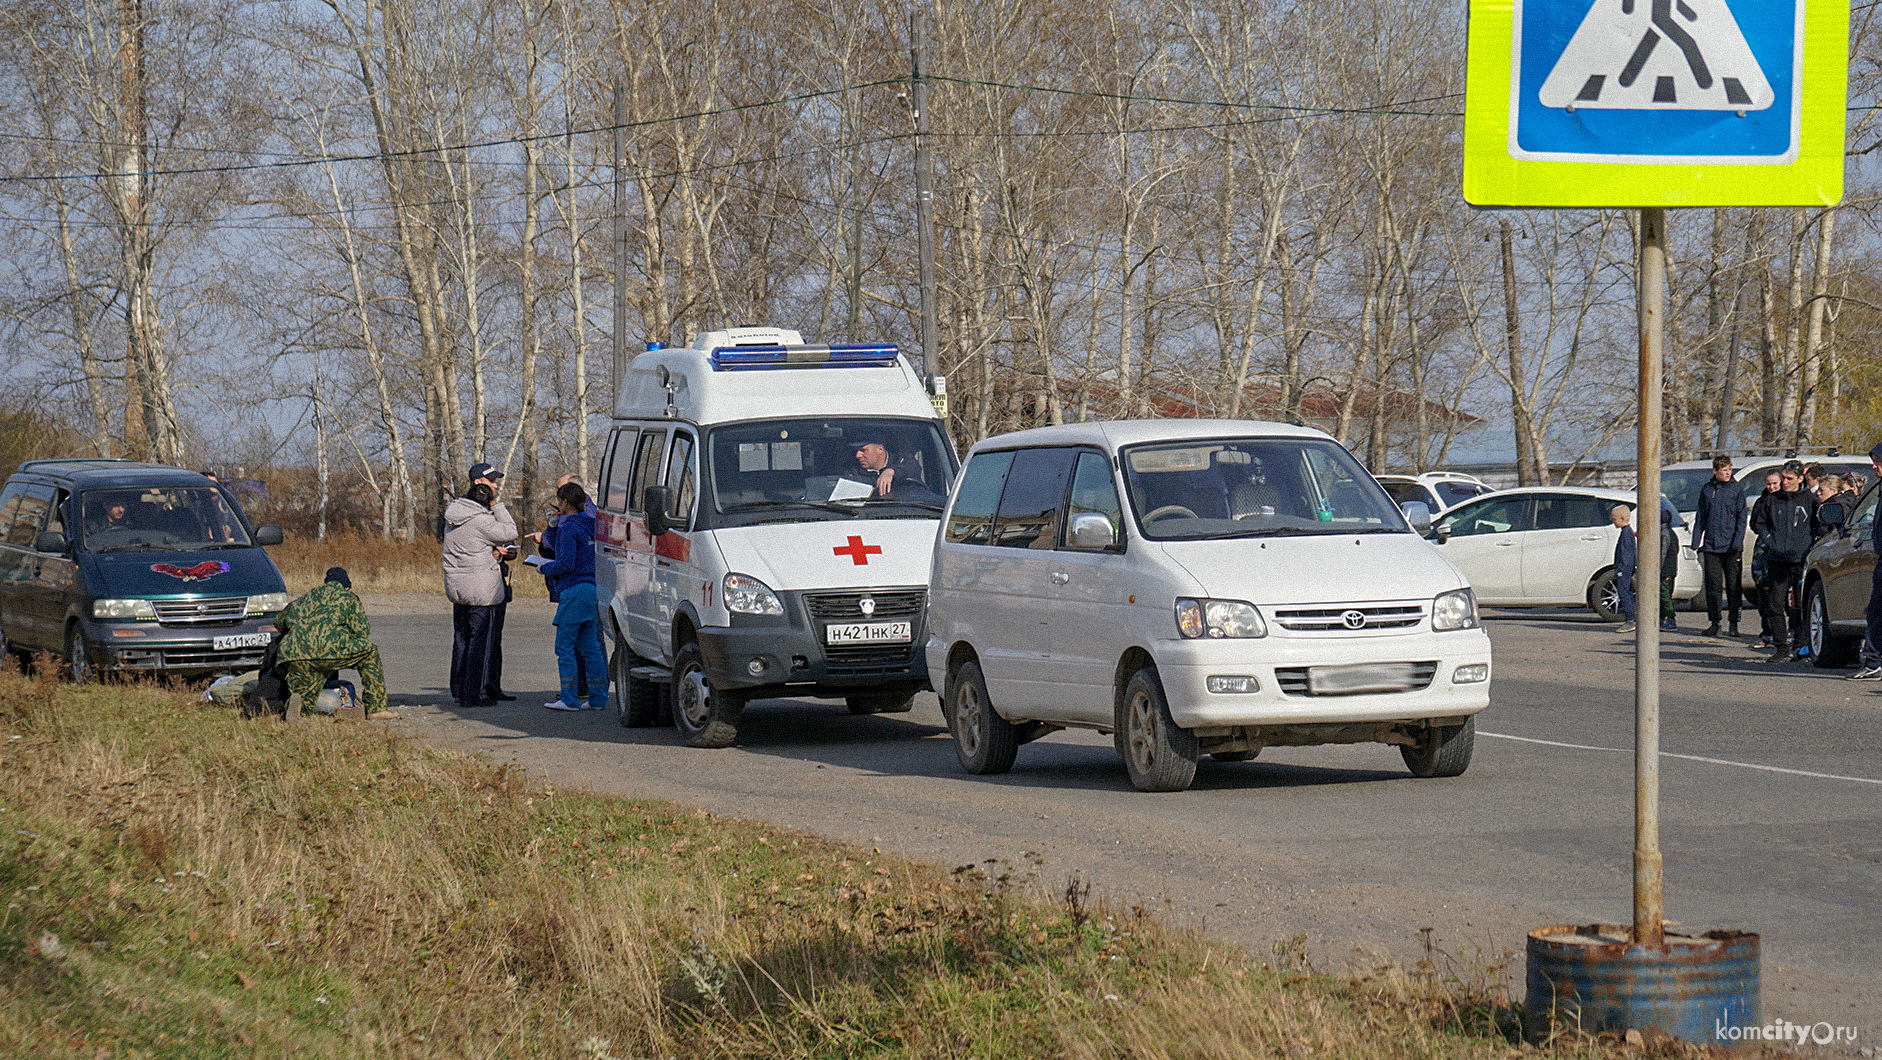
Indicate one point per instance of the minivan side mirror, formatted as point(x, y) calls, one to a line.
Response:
point(1091, 530)
point(50, 541)
point(267, 534)
point(1442, 533)
point(655, 499)
point(1418, 514)
point(1831, 513)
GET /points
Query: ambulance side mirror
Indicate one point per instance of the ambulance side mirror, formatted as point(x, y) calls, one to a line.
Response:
point(655, 501)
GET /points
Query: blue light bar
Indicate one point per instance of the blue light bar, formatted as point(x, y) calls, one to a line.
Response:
point(753, 358)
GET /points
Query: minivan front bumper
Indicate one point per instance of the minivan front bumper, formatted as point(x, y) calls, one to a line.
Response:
point(1280, 665)
point(152, 646)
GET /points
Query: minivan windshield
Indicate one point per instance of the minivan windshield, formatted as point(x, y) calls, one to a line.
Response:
point(159, 519)
point(829, 468)
point(1254, 487)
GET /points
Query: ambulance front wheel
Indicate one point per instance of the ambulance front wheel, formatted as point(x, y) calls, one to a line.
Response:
point(881, 703)
point(704, 715)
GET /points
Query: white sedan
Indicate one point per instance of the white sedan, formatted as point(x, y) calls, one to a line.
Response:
point(1542, 546)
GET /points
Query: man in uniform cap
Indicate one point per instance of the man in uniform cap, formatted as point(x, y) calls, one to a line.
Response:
point(493, 675)
point(890, 475)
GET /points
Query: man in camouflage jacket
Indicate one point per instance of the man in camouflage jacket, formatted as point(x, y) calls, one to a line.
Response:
point(325, 631)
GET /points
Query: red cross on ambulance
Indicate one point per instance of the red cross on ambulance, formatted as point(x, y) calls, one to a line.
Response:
point(858, 552)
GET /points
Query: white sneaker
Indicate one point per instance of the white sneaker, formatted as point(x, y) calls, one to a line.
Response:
point(557, 704)
point(1867, 673)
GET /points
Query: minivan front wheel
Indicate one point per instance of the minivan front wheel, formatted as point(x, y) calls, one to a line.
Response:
point(1159, 755)
point(984, 742)
point(1827, 650)
point(1443, 750)
point(78, 664)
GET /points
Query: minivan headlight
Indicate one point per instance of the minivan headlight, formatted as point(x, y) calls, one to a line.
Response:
point(1456, 609)
point(746, 595)
point(266, 602)
point(1218, 618)
point(123, 609)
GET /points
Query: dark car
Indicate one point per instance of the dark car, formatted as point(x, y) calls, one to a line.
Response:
point(112, 564)
point(1837, 577)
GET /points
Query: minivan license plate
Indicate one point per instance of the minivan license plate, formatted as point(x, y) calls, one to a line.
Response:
point(242, 640)
point(1368, 677)
point(869, 633)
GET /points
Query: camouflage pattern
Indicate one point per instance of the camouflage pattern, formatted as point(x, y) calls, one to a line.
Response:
point(306, 677)
point(326, 623)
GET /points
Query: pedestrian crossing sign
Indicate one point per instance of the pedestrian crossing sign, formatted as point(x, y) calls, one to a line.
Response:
point(1655, 102)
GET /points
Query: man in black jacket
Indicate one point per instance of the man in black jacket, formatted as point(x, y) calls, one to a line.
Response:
point(1719, 538)
point(1785, 521)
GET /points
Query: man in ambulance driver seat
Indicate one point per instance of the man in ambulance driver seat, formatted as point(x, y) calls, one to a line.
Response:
point(898, 478)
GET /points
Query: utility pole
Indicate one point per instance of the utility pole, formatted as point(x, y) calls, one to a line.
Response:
point(924, 206)
point(618, 375)
point(1649, 872)
point(321, 471)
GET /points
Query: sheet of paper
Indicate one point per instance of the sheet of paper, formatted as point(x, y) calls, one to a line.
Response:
point(848, 489)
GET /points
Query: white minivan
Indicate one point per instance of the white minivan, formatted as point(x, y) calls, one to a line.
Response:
point(767, 514)
point(1196, 587)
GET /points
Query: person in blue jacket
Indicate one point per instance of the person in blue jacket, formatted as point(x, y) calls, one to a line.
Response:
point(1626, 558)
point(572, 577)
point(1719, 538)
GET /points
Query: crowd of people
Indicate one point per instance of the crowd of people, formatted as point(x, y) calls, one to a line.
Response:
point(1786, 524)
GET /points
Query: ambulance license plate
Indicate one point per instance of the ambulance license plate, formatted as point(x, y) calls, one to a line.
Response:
point(242, 640)
point(1369, 677)
point(869, 633)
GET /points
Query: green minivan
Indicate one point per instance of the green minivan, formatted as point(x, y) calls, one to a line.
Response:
point(119, 565)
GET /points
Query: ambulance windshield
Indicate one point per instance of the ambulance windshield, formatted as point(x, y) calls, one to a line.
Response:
point(830, 468)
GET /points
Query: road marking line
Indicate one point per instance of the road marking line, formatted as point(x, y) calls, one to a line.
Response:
point(1689, 758)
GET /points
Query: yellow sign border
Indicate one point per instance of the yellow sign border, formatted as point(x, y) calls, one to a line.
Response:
point(1493, 178)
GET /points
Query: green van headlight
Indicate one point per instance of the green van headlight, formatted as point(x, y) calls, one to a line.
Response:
point(123, 609)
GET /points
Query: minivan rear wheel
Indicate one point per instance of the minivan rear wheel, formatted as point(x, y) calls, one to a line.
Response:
point(1159, 755)
point(78, 664)
point(984, 742)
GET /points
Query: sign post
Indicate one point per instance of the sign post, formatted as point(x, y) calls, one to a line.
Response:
point(1651, 104)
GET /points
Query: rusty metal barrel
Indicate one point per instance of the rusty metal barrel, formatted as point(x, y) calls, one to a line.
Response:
point(1592, 978)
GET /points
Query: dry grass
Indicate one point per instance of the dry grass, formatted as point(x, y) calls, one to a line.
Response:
point(182, 883)
point(378, 564)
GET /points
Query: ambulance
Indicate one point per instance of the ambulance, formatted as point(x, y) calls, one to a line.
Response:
point(768, 512)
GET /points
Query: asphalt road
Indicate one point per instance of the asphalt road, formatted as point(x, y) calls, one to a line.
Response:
point(1771, 803)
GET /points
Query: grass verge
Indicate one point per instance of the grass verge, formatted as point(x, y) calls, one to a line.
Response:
point(181, 883)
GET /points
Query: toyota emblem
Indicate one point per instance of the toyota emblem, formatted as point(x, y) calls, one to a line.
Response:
point(1353, 619)
point(868, 605)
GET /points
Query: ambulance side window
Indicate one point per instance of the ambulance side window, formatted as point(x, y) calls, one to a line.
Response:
point(680, 480)
point(646, 467)
point(620, 470)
